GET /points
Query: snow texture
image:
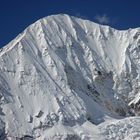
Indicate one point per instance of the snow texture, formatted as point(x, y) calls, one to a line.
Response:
point(70, 79)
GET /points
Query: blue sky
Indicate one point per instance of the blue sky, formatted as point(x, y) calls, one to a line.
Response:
point(16, 15)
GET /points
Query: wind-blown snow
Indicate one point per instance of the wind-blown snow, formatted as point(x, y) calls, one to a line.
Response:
point(68, 78)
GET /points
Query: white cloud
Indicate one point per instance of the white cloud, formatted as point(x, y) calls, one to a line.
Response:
point(104, 19)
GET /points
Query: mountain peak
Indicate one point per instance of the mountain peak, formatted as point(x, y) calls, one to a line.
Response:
point(63, 76)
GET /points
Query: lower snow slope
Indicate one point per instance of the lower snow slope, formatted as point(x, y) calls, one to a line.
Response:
point(67, 78)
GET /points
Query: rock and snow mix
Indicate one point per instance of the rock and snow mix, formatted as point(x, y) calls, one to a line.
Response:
point(68, 78)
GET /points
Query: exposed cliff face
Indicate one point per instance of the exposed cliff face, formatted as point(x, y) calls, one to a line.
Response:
point(63, 76)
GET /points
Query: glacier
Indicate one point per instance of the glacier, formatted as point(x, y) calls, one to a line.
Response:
point(72, 79)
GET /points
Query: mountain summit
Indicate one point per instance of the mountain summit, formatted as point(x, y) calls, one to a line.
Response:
point(70, 79)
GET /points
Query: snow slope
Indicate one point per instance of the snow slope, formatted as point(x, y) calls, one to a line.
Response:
point(68, 78)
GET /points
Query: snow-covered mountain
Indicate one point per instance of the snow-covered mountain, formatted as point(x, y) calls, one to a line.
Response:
point(70, 79)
